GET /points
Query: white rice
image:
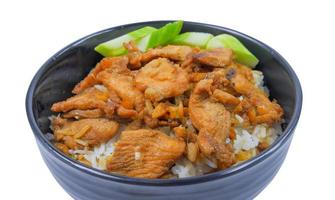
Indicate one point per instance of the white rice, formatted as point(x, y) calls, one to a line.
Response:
point(137, 155)
point(258, 77)
point(245, 141)
point(185, 168)
point(209, 163)
point(259, 131)
point(98, 155)
point(259, 81)
point(239, 119)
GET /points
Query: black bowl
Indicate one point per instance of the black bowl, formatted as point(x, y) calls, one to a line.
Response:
point(56, 78)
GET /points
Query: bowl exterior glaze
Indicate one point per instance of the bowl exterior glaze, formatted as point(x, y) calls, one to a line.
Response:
point(243, 185)
point(56, 78)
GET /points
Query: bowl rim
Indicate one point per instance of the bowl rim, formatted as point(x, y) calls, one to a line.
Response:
point(165, 182)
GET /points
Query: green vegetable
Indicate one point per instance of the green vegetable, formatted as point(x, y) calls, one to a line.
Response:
point(149, 37)
point(161, 36)
point(243, 55)
point(193, 39)
point(115, 47)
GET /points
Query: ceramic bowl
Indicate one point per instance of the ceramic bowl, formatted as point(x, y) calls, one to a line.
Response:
point(56, 78)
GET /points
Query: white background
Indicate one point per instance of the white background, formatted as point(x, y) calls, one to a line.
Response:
point(303, 32)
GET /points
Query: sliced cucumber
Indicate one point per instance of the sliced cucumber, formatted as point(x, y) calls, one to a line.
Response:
point(161, 36)
point(243, 55)
point(115, 47)
point(193, 39)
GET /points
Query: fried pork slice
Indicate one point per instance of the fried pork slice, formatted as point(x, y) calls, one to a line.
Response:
point(213, 122)
point(161, 79)
point(117, 64)
point(145, 153)
point(134, 55)
point(123, 85)
point(262, 110)
point(225, 97)
point(83, 132)
point(219, 57)
point(79, 114)
point(173, 52)
point(90, 98)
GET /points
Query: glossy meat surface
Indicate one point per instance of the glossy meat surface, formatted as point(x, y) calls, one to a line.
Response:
point(161, 79)
point(90, 98)
point(124, 87)
point(215, 57)
point(213, 122)
point(173, 52)
point(117, 64)
point(84, 131)
point(145, 153)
